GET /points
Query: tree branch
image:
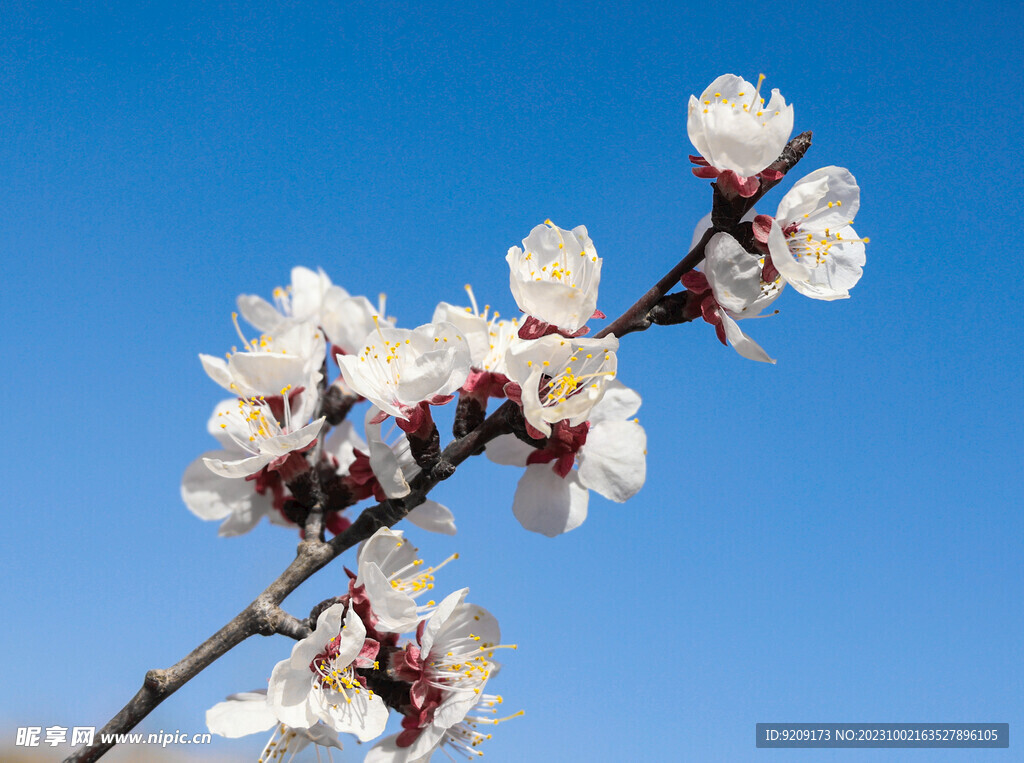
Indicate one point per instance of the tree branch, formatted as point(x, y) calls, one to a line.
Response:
point(264, 614)
point(725, 216)
point(636, 317)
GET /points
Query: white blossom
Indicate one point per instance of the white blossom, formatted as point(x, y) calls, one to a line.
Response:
point(555, 276)
point(552, 499)
point(451, 667)
point(733, 129)
point(397, 369)
point(211, 496)
point(811, 241)
point(394, 579)
point(561, 378)
point(318, 682)
point(313, 300)
point(261, 438)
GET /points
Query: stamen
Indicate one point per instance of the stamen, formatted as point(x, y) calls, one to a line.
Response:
point(234, 319)
point(472, 299)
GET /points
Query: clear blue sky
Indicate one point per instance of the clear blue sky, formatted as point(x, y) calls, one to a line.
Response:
point(835, 538)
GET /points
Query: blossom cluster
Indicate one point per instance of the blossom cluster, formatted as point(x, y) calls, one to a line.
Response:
point(277, 459)
point(809, 244)
point(290, 452)
point(352, 671)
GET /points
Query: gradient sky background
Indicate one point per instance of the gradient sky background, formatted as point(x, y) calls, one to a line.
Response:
point(835, 538)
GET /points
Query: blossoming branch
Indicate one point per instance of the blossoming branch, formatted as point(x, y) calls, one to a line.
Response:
point(331, 406)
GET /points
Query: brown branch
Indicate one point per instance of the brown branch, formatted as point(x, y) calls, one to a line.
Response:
point(725, 216)
point(636, 317)
point(292, 627)
point(264, 615)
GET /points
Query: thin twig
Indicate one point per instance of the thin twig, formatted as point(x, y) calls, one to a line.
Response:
point(636, 317)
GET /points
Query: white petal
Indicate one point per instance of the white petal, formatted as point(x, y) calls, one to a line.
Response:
point(260, 313)
point(619, 403)
point(533, 410)
point(321, 735)
point(788, 266)
point(400, 447)
point(283, 444)
point(698, 232)
point(209, 495)
point(388, 751)
point(509, 450)
point(328, 625)
point(433, 517)
point(807, 202)
point(388, 550)
point(238, 468)
point(439, 617)
point(244, 519)
point(353, 634)
point(429, 374)
point(307, 295)
point(217, 369)
point(365, 716)
point(288, 695)
point(383, 461)
point(440, 366)
point(727, 85)
point(614, 459)
point(548, 504)
point(396, 611)
point(267, 373)
point(742, 343)
point(733, 273)
point(241, 715)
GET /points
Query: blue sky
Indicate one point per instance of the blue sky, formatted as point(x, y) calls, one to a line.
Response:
point(835, 538)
